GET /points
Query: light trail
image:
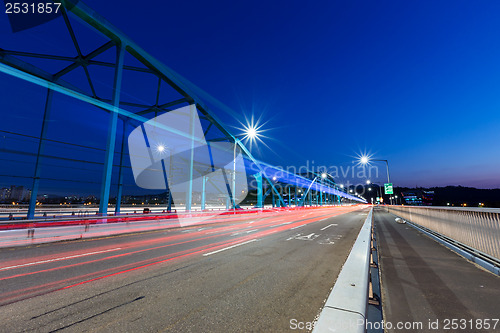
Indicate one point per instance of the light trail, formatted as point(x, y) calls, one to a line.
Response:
point(229, 247)
point(58, 259)
point(216, 244)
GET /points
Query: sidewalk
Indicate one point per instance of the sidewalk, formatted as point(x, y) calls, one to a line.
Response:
point(424, 282)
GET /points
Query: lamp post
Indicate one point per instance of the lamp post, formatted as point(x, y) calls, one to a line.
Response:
point(380, 191)
point(365, 160)
point(250, 132)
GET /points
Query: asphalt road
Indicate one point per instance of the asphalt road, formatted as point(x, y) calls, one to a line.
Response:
point(424, 282)
point(251, 273)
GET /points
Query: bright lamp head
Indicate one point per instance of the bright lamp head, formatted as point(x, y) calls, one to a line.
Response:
point(251, 132)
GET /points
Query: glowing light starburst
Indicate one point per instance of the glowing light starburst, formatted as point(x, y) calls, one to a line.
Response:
point(253, 132)
point(160, 149)
point(363, 158)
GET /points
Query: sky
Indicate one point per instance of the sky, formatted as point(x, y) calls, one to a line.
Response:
point(415, 83)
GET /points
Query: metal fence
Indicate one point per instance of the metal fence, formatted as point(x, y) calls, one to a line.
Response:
point(474, 227)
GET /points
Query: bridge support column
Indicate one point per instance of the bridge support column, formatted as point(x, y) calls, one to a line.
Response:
point(170, 170)
point(41, 146)
point(111, 141)
point(258, 178)
point(120, 172)
point(189, 194)
point(296, 199)
point(233, 190)
point(289, 196)
point(203, 189)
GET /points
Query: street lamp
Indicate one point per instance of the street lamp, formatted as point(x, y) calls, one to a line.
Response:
point(365, 160)
point(378, 185)
point(251, 132)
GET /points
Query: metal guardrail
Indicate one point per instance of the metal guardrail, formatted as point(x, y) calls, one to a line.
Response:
point(346, 307)
point(474, 227)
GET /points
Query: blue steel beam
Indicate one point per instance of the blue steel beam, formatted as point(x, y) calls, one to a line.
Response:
point(41, 145)
point(258, 178)
point(111, 141)
point(120, 171)
point(189, 194)
point(203, 191)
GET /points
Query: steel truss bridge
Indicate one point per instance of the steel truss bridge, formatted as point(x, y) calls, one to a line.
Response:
point(106, 74)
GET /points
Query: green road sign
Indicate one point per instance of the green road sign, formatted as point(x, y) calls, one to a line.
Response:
point(388, 188)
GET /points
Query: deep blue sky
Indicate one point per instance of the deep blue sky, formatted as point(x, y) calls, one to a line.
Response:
point(415, 83)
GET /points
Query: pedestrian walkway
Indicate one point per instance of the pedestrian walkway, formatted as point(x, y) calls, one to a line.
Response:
point(428, 288)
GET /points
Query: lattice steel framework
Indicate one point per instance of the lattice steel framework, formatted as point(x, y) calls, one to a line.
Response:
point(12, 63)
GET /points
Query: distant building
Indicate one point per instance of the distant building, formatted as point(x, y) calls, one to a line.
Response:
point(19, 194)
point(427, 198)
point(418, 197)
point(4, 194)
point(412, 198)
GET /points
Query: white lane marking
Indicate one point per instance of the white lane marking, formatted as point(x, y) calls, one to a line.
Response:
point(244, 232)
point(230, 247)
point(293, 237)
point(297, 227)
point(327, 241)
point(308, 237)
point(285, 223)
point(58, 259)
point(328, 226)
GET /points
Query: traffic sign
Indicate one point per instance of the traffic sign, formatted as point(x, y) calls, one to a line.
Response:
point(388, 188)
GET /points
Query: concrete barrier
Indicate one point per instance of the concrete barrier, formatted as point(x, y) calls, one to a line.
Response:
point(346, 306)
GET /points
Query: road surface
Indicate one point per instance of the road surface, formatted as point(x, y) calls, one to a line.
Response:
point(241, 274)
